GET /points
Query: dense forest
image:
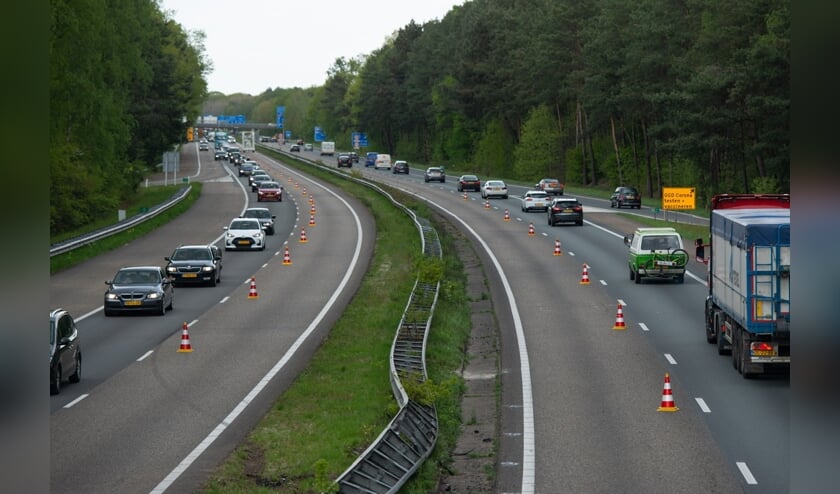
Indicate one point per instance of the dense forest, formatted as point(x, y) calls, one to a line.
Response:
point(649, 93)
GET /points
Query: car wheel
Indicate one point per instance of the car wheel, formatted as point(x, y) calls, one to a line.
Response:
point(638, 278)
point(504, 197)
point(579, 223)
point(213, 280)
point(108, 313)
point(680, 279)
point(55, 382)
point(76, 376)
point(259, 199)
point(162, 310)
point(632, 275)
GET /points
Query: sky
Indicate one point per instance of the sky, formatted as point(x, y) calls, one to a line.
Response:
point(255, 45)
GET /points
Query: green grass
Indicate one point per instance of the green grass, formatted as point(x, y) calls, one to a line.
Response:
point(150, 197)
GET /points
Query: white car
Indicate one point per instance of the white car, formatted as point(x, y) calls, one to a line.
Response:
point(535, 199)
point(494, 188)
point(244, 234)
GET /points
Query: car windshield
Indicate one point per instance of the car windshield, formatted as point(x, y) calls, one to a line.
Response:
point(244, 225)
point(269, 185)
point(495, 183)
point(258, 213)
point(660, 242)
point(469, 178)
point(135, 277)
point(191, 254)
point(538, 195)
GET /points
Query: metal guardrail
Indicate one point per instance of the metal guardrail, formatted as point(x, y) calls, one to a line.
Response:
point(411, 435)
point(74, 243)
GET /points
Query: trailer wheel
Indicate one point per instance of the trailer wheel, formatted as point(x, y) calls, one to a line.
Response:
point(744, 355)
point(711, 331)
point(721, 341)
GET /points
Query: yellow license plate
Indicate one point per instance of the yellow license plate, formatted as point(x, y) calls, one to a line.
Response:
point(244, 242)
point(567, 210)
point(190, 275)
point(132, 302)
point(764, 353)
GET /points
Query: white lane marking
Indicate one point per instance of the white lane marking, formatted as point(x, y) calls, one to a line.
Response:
point(224, 299)
point(603, 282)
point(622, 302)
point(571, 253)
point(745, 471)
point(670, 359)
point(143, 357)
point(703, 406)
point(77, 400)
point(215, 433)
point(644, 326)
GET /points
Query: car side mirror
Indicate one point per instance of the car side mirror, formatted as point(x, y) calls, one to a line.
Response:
point(167, 259)
point(628, 239)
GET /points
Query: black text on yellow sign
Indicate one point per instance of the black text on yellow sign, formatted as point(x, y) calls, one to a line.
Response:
point(678, 198)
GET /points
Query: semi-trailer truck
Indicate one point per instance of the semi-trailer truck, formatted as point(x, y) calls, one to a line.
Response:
point(748, 304)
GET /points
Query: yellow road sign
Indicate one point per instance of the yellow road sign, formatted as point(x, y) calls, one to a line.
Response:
point(678, 198)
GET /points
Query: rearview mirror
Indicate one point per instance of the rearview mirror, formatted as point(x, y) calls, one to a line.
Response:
point(628, 239)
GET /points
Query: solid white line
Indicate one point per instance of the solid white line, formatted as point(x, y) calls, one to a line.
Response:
point(204, 444)
point(703, 406)
point(143, 357)
point(745, 471)
point(670, 359)
point(80, 398)
point(644, 326)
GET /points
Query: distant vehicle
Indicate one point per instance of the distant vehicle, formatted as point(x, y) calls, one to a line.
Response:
point(382, 161)
point(401, 166)
point(550, 186)
point(259, 180)
point(626, 196)
point(434, 174)
point(327, 148)
point(294, 148)
point(138, 289)
point(370, 158)
point(344, 159)
point(354, 156)
point(265, 217)
point(494, 188)
point(535, 200)
point(270, 191)
point(244, 234)
point(191, 264)
point(203, 146)
point(656, 253)
point(219, 155)
point(307, 147)
point(65, 350)
point(469, 182)
point(246, 169)
point(565, 209)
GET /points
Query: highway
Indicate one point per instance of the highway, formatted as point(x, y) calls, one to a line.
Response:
point(579, 398)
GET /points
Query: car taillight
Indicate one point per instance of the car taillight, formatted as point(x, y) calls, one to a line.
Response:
point(577, 208)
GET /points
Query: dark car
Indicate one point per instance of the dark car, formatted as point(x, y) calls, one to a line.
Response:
point(191, 264)
point(400, 166)
point(434, 173)
point(344, 159)
point(565, 209)
point(246, 169)
point(65, 350)
point(469, 182)
point(139, 289)
point(354, 156)
point(219, 155)
point(626, 196)
point(265, 217)
point(370, 158)
point(257, 178)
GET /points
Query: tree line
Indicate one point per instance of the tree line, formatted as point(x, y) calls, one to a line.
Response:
point(650, 93)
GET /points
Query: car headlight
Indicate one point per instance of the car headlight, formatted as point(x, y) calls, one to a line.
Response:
point(153, 296)
point(171, 269)
point(207, 268)
point(230, 235)
point(258, 235)
point(111, 296)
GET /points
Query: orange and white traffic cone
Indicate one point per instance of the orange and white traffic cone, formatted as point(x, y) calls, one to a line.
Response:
point(297, 185)
point(507, 215)
point(619, 319)
point(311, 220)
point(287, 259)
point(303, 239)
point(465, 195)
point(252, 291)
point(486, 204)
point(584, 278)
point(667, 404)
point(303, 192)
point(312, 209)
point(531, 232)
point(557, 251)
point(185, 340)
point(311, 199)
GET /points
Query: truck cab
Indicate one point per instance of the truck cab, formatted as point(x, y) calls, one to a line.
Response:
point(656, 253)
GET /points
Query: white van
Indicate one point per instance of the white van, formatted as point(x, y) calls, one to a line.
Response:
point(382, 161)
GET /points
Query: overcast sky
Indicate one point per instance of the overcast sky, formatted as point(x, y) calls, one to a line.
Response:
point(259, 44)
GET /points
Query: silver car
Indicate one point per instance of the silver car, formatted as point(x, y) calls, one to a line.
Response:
point(535, 200)
point(494, 188)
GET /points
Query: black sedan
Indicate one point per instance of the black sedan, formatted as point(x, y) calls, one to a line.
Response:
point(344, 159)
point(139, 289)
point(195, 264)
point(65, 350)
point(469, 182)
point(565, 209)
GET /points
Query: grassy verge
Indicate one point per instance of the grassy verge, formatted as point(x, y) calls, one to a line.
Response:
point(343, 400)
point(687, 232)
point(150, 197)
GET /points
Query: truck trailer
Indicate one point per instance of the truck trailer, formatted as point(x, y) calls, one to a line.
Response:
point(748, 305)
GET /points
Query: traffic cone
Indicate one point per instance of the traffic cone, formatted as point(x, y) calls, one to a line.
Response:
point(312, 209)
point(252, 292)
point(507, 215)
point(667, 404)
point(311, 199)
point(557, 251)
point(584, 279)
point(531, 230)
point(465, 195)
point(486, 204)
point(185, 340)
point(291, 179)
point(619, 319)
point(303, 192)
point(311, 220)
point(297, 185)
point(287, 259)
point(303, 239)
